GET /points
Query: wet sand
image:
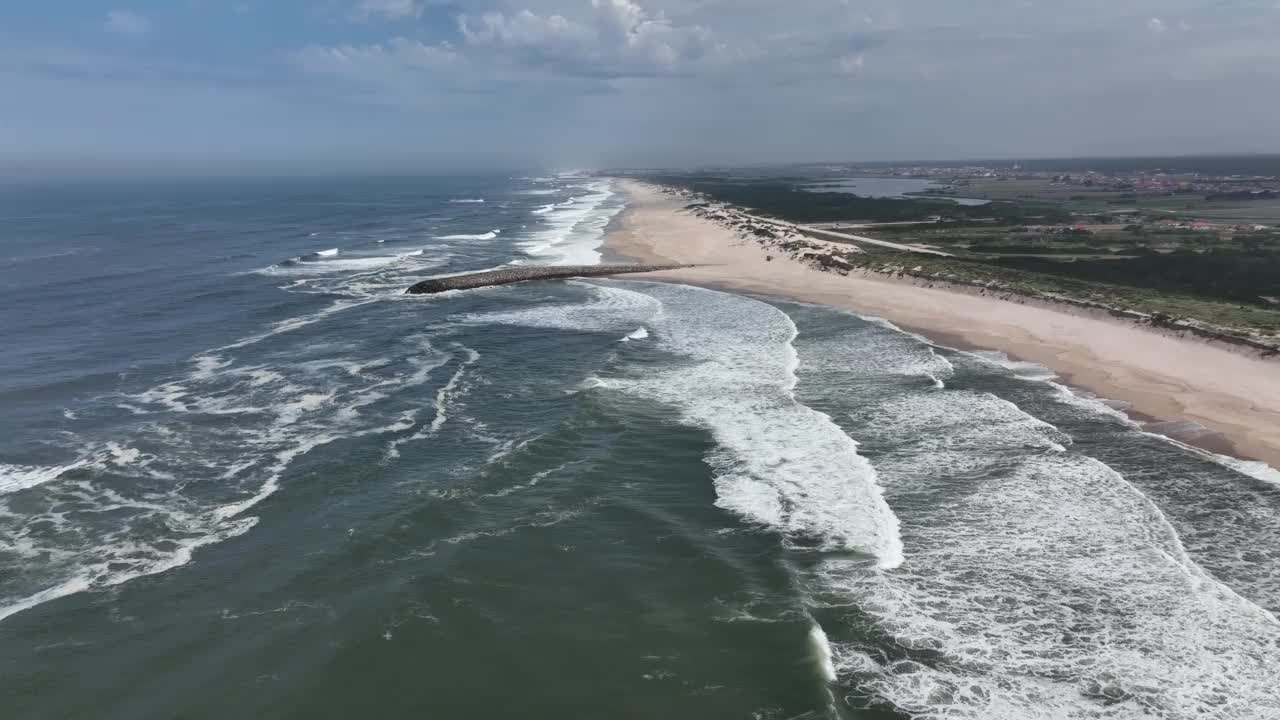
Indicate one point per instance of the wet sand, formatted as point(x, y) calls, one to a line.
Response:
point(1156, 378)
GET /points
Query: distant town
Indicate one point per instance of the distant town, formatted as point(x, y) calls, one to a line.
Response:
point(1213, 187)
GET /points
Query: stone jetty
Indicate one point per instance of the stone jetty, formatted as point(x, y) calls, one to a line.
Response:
point(519, 273)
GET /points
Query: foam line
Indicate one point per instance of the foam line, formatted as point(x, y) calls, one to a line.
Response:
point(482, 236)
point(169, 487)
point(571, 232)
point(777, 462)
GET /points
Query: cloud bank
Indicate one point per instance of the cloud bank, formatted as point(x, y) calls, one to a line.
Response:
point(652, 82)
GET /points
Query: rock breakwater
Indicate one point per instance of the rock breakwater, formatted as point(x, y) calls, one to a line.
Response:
point(507, 276)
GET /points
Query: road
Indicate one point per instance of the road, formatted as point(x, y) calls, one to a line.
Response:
point(846, 238)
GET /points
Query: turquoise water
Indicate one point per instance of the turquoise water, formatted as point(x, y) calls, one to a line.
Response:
point(245, 476)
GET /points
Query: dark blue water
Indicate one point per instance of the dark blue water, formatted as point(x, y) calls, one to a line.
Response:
point(243, 475)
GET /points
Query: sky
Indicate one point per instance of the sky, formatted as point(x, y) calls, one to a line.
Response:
point(331, 86)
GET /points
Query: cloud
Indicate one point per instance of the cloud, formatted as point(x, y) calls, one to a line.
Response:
point(387, 9)
point(398, 53)
point(400, 72)
point(648, 81)
point(123, 22)
point(615, 38)
point(852, 64)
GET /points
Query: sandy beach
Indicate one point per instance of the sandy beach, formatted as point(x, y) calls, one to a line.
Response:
point(1156, 378)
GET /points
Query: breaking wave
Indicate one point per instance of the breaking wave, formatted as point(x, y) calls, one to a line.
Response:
point(572, 231)
point(482, 236)
point(778, 462)
point(1037, 581)
point(327, 262)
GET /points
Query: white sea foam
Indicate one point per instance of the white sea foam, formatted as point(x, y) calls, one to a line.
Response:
point(543, 519)
point(292, 324)
point(449, 389)
point(871, 352)
point(639, 334)
point(572, 231)
point(208, 365)
point(1229, 526)
point(1037, 583)
point(108, 573)
point(184, 491)
point(466, 201)
point(777, 462)
point(1022, 369)
point(533, 481)
point(328, 262)
point(1035, 372)
point(958, 431)
point(607, 308)
point(1255, 469)
point(20, 477)
point(822, 652)
point(1056, 590)
point(482, 236)
point(445, 397)
point(1227, 517)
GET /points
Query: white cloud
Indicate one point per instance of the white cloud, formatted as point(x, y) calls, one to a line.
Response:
point(388, 9)
point(851, 64)
point(376, 61)
point(401, 72)
point(615, 38)
point(1009, 76)
point(123, 22)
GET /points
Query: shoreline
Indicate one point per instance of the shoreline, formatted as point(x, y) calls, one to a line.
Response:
point(1158, 378)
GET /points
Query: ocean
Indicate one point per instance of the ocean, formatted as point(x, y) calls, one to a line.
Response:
point(243, 475)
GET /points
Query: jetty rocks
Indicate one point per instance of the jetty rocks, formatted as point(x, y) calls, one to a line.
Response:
point(506, 276)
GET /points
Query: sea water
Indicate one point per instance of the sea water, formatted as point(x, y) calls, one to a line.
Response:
point(243, 475)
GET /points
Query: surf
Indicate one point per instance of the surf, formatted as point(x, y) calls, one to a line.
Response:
point(777, 463)
point(143, 499)
point(1037, 582)
point(571, 232)
point(480, 236)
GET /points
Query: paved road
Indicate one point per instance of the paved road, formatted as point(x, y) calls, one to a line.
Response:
point(847, 238)
point(858, 226)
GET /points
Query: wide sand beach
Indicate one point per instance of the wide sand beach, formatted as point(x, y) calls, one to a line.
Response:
point(1201, 394)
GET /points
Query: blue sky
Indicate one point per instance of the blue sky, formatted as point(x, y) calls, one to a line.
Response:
point(281, 86)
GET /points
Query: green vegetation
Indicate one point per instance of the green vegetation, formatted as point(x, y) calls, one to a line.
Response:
point(1233, 276)
point(1169, 305)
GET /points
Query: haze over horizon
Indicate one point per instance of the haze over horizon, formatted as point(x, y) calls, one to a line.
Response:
point(199, 86)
